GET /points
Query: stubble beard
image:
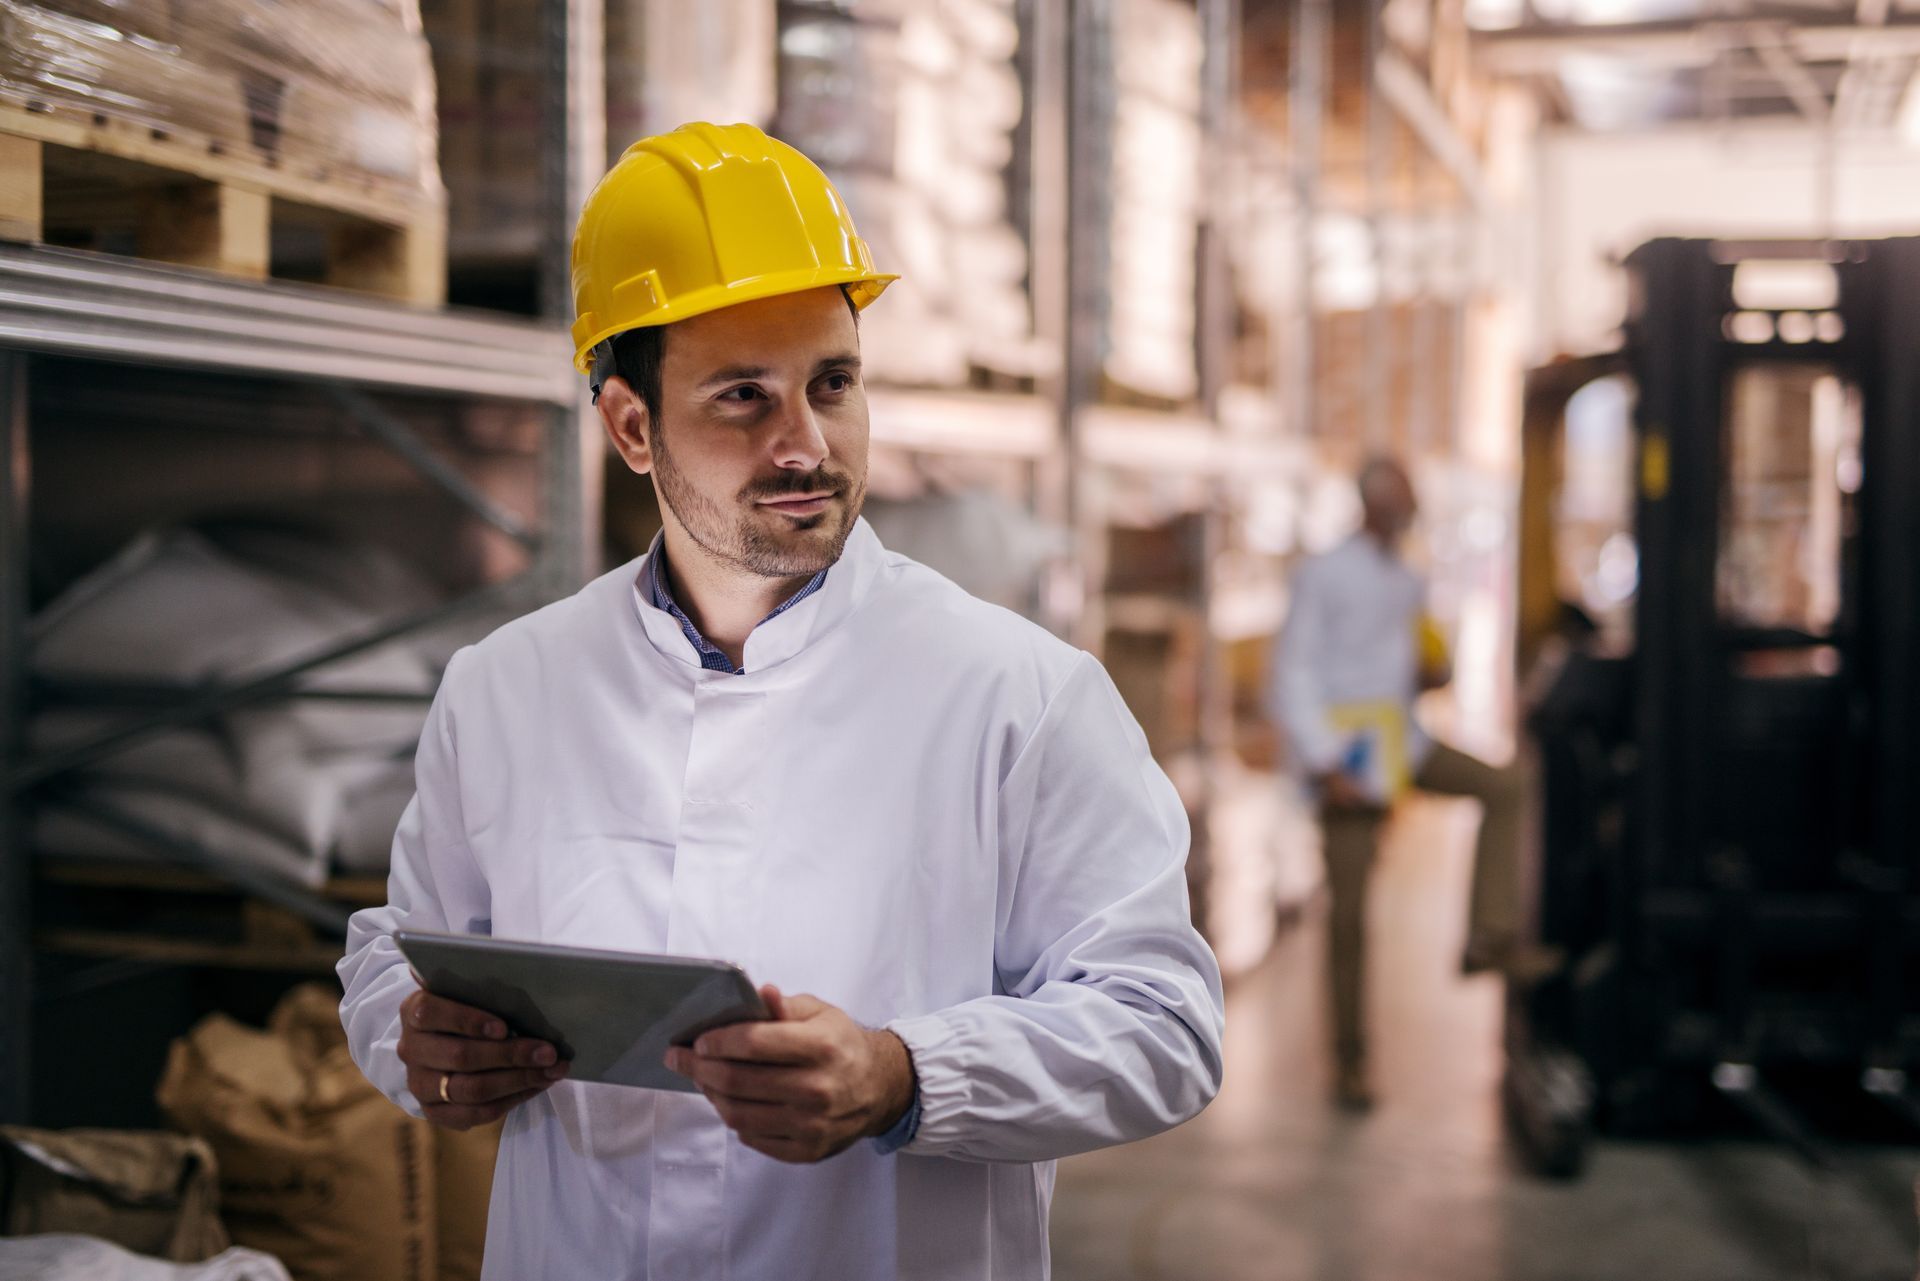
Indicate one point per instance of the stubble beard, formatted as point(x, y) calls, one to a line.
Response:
point(740, 539)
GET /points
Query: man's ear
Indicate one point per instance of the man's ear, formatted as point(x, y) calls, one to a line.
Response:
point(628, 425)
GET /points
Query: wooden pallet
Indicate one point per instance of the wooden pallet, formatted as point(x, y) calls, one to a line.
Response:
point(79, 178)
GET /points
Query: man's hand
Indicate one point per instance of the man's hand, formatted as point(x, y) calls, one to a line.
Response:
point(462, 1066)
point(1340, 791)
point(804, 1086)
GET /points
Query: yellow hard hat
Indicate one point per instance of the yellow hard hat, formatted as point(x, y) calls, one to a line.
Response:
point(702, 218)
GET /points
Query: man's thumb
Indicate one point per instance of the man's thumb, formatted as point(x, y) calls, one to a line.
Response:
point(803, 1006)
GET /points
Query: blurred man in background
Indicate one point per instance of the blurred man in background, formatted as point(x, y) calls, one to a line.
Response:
point(1357, 650)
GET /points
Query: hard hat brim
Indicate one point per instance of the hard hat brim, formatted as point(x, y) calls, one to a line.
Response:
point(863, 288)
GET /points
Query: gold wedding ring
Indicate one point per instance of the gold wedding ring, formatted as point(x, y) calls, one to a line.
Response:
point(444, 1078)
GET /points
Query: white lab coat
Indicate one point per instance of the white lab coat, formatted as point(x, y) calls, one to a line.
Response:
point(913, 805)
point(1351, 637)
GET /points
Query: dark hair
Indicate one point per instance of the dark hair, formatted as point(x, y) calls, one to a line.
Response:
point(637, 354)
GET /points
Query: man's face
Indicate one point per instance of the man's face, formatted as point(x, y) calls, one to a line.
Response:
point(761, 447)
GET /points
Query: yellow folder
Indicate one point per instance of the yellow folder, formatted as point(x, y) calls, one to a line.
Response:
point(1375, 732)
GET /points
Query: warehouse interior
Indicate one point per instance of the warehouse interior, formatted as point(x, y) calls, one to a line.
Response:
point(289, 416)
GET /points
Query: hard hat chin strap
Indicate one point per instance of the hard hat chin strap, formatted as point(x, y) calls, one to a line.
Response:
point(605, 366)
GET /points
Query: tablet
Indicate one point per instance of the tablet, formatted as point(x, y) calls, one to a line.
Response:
point(611, 1014)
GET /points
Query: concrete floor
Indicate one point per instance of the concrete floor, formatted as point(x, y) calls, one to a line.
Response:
point(1272, 1184)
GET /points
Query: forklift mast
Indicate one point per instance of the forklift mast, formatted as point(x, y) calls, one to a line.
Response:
point(1730, 847)
point(1709, 689)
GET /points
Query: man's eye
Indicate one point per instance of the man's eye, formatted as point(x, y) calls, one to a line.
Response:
point(740, 395)
point(838, 382)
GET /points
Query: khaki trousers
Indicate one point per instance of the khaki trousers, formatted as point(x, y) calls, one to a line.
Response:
point(1351, 838)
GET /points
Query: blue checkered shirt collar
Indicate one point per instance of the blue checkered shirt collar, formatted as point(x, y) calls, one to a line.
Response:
point(661, 596)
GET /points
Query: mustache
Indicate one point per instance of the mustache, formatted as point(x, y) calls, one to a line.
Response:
point(812, 482)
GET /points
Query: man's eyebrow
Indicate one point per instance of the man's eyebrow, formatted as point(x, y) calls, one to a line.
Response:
point(848, 361)
point(733, 373)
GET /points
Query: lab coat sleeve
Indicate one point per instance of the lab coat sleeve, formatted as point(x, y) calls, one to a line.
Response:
point(434, 884)
point(1107, 1017)
point(1299, 698)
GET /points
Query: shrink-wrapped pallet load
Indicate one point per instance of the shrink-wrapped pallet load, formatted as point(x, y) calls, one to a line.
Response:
point(667, 62)
point(489, 61)
point(913, 110)
point(68, 55)
point(252, 138)
point(318, 86)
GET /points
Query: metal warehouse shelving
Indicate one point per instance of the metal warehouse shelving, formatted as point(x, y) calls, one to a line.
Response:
point(58, 303)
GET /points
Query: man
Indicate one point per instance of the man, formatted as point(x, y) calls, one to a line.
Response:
point(1356, 651)
point(770, 741)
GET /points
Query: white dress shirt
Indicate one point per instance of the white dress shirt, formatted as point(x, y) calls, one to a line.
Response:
point(915, 806)
point(1351, 637)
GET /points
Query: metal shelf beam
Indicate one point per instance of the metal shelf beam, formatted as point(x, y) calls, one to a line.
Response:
point(16, 961)
point(266, 687)
point(962, 422)
point(65, 302)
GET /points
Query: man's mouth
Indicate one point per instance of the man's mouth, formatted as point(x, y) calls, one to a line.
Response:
point(798, 504)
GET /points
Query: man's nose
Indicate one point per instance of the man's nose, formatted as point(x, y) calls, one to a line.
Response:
point(798, 442)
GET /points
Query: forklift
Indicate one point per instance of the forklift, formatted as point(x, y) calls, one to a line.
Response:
point(1719, 638)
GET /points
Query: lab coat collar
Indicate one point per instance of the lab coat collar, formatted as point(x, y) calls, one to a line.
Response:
point(781, 638)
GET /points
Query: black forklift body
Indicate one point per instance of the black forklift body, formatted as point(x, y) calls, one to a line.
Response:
point(1730, 837)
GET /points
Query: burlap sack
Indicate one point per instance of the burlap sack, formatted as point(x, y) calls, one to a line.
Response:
point(463, 1184)
point(153, 1193)
point(317, 1168)
point(462, 1160)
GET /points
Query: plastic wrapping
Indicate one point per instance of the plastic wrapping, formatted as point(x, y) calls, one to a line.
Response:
point(912, 109)
point(992, 547)
point(668, 63)
point(302, 789)
point(312, 85)
point(56, 1256)
point(490, 72)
